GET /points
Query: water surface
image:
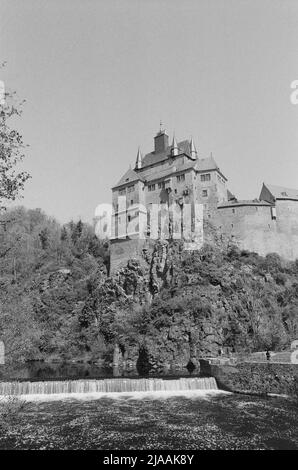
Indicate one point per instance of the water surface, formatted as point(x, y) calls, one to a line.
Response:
point(196, 421)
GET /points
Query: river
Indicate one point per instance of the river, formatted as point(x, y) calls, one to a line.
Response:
point(165, 420)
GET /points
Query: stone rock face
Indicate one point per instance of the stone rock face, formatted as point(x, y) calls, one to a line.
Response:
point(172, 307)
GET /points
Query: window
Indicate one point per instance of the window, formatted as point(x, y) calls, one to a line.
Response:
point(131, 188)
point(233, 210)
point(129, 218)
point(151, 187)
point(161, 185)
point(131, 202)
point(204, 193)
point(206, 177)
point(122, 192)
point(180, 178)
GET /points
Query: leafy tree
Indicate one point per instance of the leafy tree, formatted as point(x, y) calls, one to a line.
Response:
point(11, 149)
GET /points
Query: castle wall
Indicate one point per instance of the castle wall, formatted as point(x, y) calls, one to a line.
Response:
point(253, 228)
point(250, 227)
point(216, 192)
point(287, 228)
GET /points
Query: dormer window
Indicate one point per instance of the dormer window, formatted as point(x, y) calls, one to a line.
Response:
point(180, 178)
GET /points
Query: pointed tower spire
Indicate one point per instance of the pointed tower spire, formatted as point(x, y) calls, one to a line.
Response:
point(139, 160)
point(174, 148)
point(193, 150)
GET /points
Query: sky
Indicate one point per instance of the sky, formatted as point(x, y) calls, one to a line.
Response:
point(99, 75)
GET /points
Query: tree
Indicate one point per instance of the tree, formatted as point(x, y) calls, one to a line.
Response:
point(11, 149)
point(11, 152)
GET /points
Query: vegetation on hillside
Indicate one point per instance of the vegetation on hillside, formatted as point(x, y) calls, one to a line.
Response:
point(57, 302)
point(44, 280)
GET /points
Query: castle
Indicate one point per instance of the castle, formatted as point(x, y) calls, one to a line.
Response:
point(176, 175)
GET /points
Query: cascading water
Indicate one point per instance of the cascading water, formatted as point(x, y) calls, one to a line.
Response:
point(107, 386)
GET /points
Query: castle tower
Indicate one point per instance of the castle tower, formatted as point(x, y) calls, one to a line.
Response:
point(139, 160)
point(161, 141)
point(174, 149)
point(193, 150)
point(166, 177)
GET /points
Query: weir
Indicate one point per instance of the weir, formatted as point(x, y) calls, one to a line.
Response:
point(107, 386)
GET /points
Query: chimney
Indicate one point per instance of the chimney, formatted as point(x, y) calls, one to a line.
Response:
point(161, 141)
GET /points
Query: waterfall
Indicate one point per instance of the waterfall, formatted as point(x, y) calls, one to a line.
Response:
point(107, 386)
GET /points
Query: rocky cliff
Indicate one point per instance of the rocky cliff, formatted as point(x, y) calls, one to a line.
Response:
point(173, 307)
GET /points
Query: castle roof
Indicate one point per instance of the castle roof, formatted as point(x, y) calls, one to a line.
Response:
point(178, 168)
point(200, 165)
point(280, 192)
point(129, 177)
point(206, 164)
point(152, 158)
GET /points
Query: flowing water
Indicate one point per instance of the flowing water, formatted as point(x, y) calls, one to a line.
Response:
point(192, 419)
point(141, 413)
point(107, 386)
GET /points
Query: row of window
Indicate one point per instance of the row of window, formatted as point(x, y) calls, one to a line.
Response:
point(162, 185)
point(180, 178)
point(151, 187)
point(130, 189)
point(206, 177)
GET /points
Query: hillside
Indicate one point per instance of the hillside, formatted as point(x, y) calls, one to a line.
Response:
point(167, 310)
